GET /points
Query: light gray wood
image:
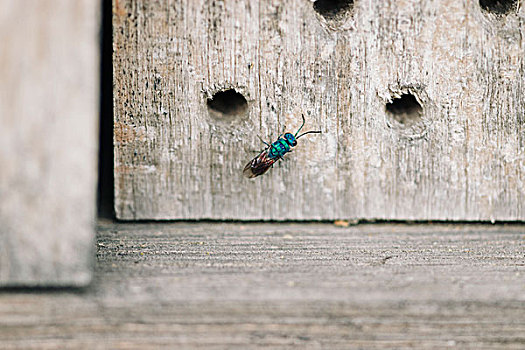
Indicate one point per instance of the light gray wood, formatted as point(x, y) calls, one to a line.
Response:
point(463, 158)
point(48, 140)
point(226, 286)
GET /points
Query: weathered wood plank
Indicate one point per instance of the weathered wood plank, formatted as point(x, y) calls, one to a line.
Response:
point(460, 156)
point(48, 140)
point(225, 286)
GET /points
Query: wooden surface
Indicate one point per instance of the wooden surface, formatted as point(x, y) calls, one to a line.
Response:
point(461, 156)
point(48, 140)
point(289, 286)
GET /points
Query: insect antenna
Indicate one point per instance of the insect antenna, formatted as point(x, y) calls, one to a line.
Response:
point(309, 132)
point(300, 127)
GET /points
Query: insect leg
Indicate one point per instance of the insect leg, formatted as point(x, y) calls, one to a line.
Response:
point(266, 143)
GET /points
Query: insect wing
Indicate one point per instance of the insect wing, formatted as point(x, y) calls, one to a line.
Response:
point(258, 165)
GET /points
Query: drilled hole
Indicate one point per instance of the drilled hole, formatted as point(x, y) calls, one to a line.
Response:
point(406, 109)
point(228, 103)
point(332, 9)
point(498, 6)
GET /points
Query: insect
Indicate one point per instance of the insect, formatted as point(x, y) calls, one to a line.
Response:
point(273, 152)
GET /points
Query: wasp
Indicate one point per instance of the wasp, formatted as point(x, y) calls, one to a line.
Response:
point(273, 152)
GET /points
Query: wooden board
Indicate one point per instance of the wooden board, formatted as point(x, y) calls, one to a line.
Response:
point(459, 154)
point(282, 286)
point(48, 141)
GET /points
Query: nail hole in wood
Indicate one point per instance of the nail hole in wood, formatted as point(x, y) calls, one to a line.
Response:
point(499, 7)
point(406, 109)
point(332, 9)
point(227, 103)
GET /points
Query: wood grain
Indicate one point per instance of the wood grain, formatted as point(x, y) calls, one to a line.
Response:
point(285, 286)
point(48, 140)
point(462, 159)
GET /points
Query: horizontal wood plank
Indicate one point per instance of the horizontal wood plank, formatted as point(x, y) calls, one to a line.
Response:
point(234, 286)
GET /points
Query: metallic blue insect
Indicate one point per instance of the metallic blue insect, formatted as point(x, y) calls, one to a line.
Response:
point(273, 152)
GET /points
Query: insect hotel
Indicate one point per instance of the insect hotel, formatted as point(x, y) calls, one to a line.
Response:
point(420, 103)
point(341, 122)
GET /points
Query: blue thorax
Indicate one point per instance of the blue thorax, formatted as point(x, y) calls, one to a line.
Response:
point(282, 146)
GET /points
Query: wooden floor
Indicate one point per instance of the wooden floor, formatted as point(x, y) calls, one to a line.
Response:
point(284, 286)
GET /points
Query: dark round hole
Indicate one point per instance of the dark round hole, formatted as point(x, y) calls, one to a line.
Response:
point(228, 103)
point(406, 109)
point(331, 9)
point(498, 6)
